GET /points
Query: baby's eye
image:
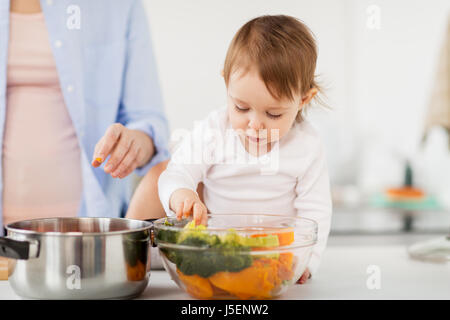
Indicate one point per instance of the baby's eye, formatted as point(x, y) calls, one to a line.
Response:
point(274, 116)
point(240, 109)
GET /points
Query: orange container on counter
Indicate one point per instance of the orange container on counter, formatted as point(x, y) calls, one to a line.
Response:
point(3, 268)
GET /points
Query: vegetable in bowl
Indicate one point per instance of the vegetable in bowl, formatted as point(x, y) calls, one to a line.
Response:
point(225, 254)
point(248, 262)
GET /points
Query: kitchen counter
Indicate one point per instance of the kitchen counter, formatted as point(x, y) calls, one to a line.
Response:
point(349, 269)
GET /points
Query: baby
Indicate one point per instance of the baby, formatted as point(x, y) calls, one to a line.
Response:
point(257, 155)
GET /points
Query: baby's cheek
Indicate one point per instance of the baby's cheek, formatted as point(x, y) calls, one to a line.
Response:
point(282, 128)
point(237, 123)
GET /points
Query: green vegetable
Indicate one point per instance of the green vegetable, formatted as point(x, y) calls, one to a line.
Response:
point(167, 222)
point(275, 256)
point(261, 242)
point(197, 236)
point(285, 282)
point(224, 253)
point(168, 236)
point(255, 242)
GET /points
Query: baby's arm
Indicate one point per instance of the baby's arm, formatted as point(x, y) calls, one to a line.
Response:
point(145, 203)
point(313, 201)
point(177, 185)
point(186, 202)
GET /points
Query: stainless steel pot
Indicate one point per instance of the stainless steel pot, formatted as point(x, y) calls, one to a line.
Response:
point(78, 258)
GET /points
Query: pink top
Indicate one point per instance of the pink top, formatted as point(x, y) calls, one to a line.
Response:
point(41, 154)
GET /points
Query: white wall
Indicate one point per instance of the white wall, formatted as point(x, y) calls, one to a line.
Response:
point(191, 39)
point(378, 81)
point(392, 72)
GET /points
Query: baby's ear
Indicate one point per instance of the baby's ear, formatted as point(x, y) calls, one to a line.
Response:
point(221, 73)
point(309, 95)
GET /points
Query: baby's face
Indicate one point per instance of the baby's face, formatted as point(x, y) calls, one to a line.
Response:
point(258, 117)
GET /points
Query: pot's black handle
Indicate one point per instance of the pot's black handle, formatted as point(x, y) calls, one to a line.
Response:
point(152, 232)
point(16, 249)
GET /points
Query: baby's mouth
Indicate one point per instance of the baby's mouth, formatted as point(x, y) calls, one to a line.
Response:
point(255, 139)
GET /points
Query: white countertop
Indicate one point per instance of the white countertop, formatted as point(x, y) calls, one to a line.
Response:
point(343, 274)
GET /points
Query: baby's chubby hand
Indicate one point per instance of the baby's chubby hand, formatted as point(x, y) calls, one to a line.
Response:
point(186, 202)
point(305, 276)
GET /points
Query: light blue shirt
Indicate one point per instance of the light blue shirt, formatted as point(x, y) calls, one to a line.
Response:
point(107, 72)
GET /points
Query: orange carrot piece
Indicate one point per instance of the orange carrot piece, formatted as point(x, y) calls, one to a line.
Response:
point(256, 281)
point(285, 271)
point(197, 286)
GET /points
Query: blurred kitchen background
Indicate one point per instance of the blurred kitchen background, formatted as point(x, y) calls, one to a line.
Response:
point(385, 66)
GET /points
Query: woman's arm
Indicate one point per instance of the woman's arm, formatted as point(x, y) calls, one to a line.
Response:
point(141, 118)
point(185, 170)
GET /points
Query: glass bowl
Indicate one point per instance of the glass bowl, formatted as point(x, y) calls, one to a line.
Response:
point(236, 256)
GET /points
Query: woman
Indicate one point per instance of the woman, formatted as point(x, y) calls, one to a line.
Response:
point(79, 87)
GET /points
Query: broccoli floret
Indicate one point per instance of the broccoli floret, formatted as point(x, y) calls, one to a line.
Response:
point(168, 236)
point(224, 253)
point(197, 236)
point(195, 262)
point(233, 256)
point(221, 257)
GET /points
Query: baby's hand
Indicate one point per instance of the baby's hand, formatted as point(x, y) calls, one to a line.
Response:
point(186, 202)
point(305, 276)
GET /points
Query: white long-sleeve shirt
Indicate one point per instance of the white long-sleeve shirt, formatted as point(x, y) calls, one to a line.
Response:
point(291, 179)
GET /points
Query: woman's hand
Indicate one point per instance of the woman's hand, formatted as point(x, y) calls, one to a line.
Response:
point(185, 202)
point(129, 149)
point(305, 276)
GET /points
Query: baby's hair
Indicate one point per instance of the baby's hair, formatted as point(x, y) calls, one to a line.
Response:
point(283, 51)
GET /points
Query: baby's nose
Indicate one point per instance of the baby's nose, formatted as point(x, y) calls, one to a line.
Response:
point(255, 124)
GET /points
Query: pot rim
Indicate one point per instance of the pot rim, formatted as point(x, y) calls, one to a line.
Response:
point(15, 229)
